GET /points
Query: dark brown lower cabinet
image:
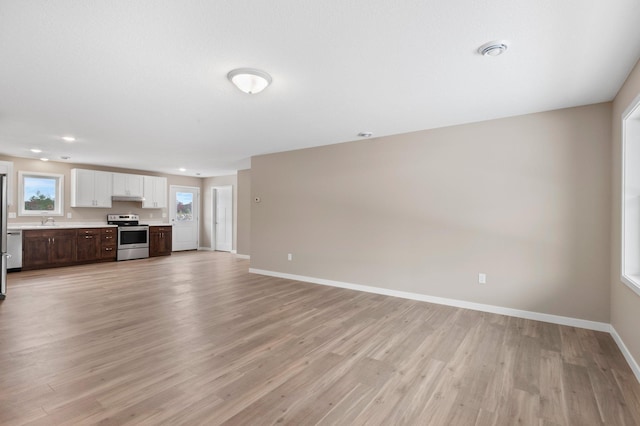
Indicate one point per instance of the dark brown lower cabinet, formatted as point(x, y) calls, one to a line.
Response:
point(89, 245)
point(109, 244)
point(48, 248)
point(160, 240)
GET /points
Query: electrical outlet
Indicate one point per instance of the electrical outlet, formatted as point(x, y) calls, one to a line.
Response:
point(150, 215)
point(164, 215)
point(290, 256)
point(69, 215)
point(482, 278)
point(12, 215)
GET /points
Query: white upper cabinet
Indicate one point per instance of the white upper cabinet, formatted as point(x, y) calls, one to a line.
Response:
point(127, 185)
point(155, 192)
point(90, 188)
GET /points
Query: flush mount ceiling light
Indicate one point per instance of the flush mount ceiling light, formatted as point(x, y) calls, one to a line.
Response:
point(493, 48)
point(249, 80)
point(182, 169)
point(68, 139)
point(35, 150)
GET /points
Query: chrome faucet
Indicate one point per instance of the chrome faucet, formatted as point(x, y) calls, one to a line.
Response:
point(44, 221)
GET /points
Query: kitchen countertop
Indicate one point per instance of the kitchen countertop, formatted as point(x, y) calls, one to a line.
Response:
point(68, 225)
point(61, 225)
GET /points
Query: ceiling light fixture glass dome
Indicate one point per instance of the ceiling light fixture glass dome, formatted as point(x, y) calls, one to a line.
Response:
point(250, 80)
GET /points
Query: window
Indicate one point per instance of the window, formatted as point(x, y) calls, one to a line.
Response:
point(184, 206)
point(630, 267)
point(40, 194)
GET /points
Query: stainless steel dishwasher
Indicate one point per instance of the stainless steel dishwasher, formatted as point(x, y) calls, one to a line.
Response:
point(14, 249)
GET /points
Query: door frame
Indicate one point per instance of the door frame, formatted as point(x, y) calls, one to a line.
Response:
point(214, 215)
point(196, 211)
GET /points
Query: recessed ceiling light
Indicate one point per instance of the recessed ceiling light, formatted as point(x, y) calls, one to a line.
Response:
point(65, 157)
point(365, 134)
point(35, 150)
point(197, 174)
point(182, 169)
point(68, 139)
point(249, 80)
point(44, 159)
point(493, 48)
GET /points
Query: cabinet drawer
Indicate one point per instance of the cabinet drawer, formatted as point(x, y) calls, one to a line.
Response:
point(108, 231)
point(108, 239)
point(109, 252)
point(155, 229)
point(88, 231)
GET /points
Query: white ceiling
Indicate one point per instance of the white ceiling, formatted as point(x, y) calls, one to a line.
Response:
point(142, 84)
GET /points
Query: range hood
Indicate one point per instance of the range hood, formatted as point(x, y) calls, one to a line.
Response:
point(126, 198)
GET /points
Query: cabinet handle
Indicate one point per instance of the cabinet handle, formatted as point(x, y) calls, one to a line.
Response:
point(89, 236)
point(54, 240)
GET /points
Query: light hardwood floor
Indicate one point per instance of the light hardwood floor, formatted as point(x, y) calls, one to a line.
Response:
point(195, 339)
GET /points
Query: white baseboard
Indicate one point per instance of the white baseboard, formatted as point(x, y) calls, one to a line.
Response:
point(234, 251)
point(537, 316)
point(625, 351)
point(243, 256)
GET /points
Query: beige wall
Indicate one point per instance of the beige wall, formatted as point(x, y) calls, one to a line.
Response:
point(207, 200)
point(524, 200)
point(244, 212)
point(625, 304)
point(85, 214)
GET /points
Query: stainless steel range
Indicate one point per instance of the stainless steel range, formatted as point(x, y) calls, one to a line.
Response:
point(133, 238)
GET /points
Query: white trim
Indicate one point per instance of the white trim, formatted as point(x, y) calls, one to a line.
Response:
point(214, 214)
point(537, 316)
point(59, 201)
point(234, 251)
point(631, 109)
point(243, 256)
point(625, 351)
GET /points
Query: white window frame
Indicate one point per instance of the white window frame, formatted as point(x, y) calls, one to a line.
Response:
point(628, 277)
point(59, 208)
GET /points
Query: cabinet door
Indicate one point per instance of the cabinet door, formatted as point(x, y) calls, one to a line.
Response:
point(90, 188)
point(160, 193)
point(35, 250)
point(127, 185)
point(119, 184)
point(63, 248)
point(103, 189)
point(166, 243)
point(154, 243)
point(135, 185)
point(148, 189)
point(155, 192)
point(82, 188)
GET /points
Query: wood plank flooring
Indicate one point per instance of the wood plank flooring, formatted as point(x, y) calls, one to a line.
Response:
point(195, 339)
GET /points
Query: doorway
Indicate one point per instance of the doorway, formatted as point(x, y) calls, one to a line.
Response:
point(185, 217)
point(222, 226)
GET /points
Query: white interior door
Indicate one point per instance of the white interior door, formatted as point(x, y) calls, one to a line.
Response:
point(223, 220)
point(184, 215)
